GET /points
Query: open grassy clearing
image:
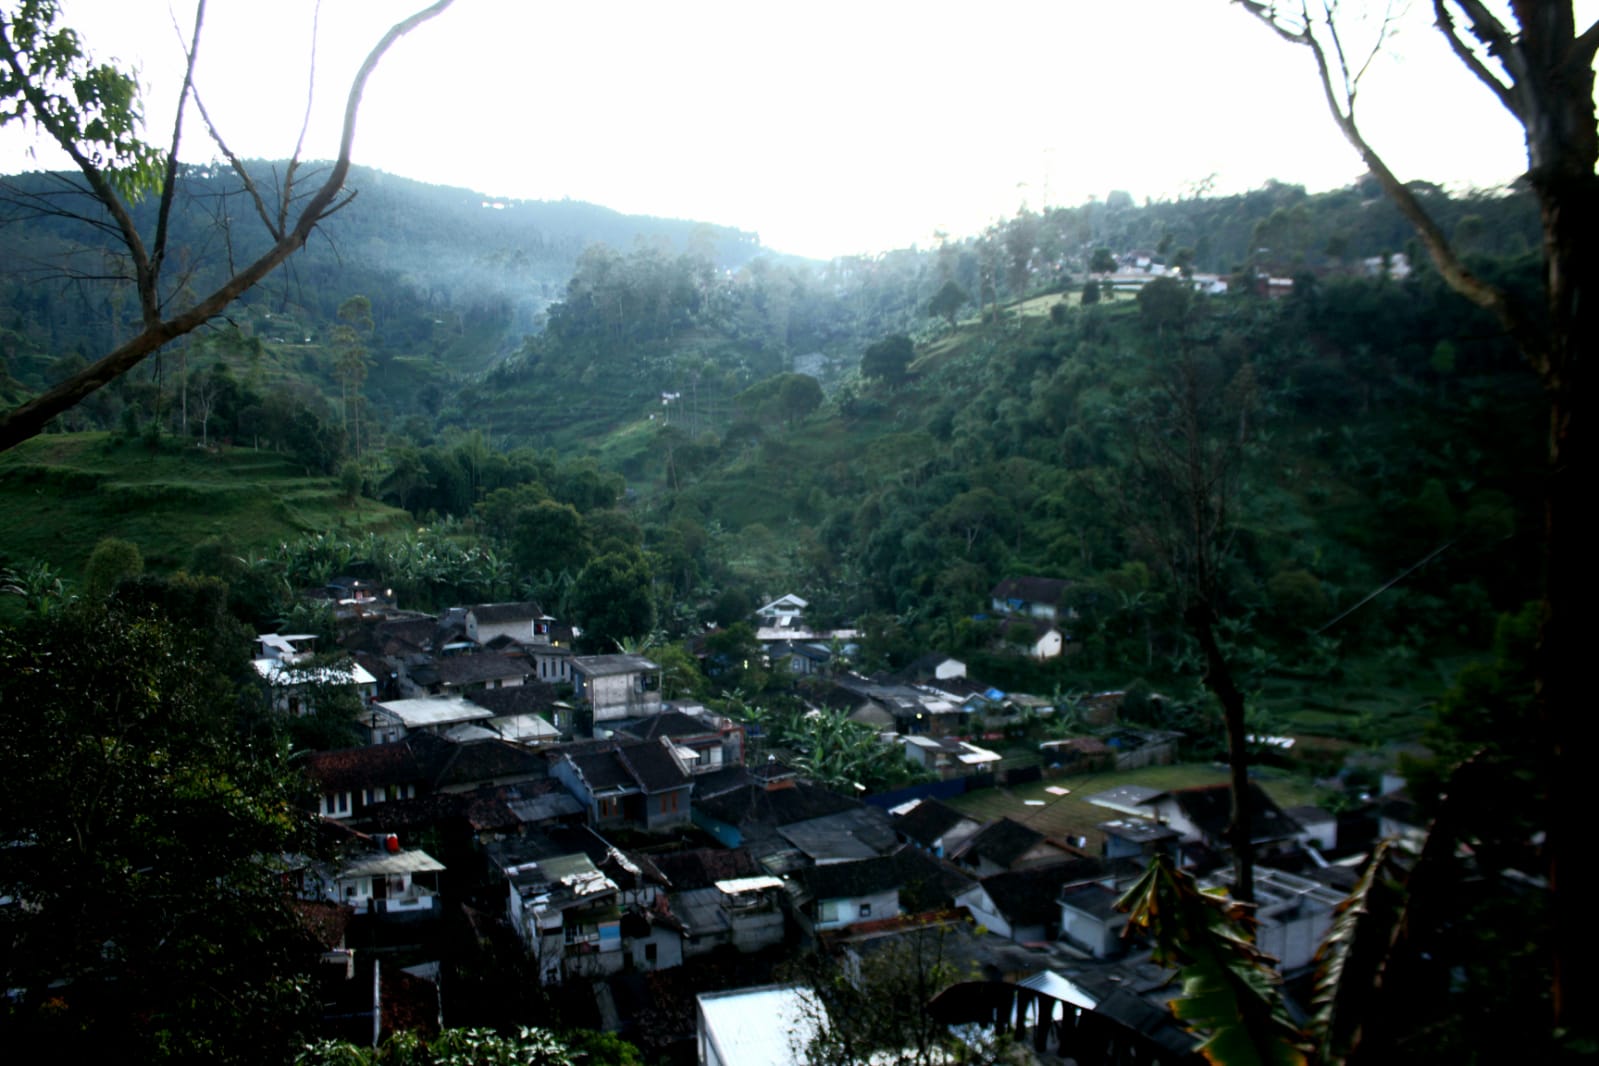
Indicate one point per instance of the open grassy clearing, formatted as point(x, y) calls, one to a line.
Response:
point(1072, 814)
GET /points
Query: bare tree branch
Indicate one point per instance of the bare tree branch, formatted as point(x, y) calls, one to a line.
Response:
point(169, 182)
point(239, 168)
point(1511, 315)
point(27, 420)
point(1446, 25)
point(305, 122)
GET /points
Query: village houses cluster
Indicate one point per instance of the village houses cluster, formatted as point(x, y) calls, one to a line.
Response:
point(558, 802)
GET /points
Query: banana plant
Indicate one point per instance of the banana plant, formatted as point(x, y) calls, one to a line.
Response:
point(1231, 993)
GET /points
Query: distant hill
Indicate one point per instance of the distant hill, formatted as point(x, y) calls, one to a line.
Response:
point(452, 274)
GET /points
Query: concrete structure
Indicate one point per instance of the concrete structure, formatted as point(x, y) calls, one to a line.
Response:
point(767, 1026)
point(617, 686)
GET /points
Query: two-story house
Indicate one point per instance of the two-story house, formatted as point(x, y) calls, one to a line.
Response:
point(645, 783)
point(617, 686)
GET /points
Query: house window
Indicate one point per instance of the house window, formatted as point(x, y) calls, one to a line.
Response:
point(866, 910)
point(668, 803)
point(336, 803)
point(650, 953)
point(610, 807)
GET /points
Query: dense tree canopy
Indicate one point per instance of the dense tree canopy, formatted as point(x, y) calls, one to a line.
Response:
point(147, 815)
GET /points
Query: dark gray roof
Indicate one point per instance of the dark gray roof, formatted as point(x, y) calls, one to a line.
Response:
point(923, 882)
point(483, 761)
point(471, 669)
point(1029, 897)
point(703, 867)
point(930, 820)
point(530, 697)
point(1031, 589)
point(1210, 808)
point(1001, 842)
point(860, 833)
point(617, 764)
point(498, 613)
point(610, 665)
point(778, 807)
point(1092, 899)
point(668, 724)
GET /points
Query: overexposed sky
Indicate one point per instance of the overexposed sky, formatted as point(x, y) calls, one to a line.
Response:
point(830, 128)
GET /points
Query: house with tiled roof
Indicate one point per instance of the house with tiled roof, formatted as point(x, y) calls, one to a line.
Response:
point(709, 742)
point(643, 783)
point(752, 811)
point(933, 826)
point(1041, 598)
point(1006, 844)
point(464, 673)
point(846, 893)
point(1024, 904)
point(1033, 613)
point(703, 867)
point(350, 780)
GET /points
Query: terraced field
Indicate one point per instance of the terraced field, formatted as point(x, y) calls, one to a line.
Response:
point(60, 494)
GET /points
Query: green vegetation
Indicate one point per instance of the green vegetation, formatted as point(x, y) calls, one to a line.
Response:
point(146, 797)
point(61, 495)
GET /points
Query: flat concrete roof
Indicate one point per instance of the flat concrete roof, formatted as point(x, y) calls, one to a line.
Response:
point(425, 711)
point(767, 1026)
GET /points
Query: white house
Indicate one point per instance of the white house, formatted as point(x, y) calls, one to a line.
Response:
point(390, 882)
point(293, 687)
point(785, 610)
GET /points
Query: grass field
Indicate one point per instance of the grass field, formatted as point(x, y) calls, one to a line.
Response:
point(1072, 815)
point(60, 494)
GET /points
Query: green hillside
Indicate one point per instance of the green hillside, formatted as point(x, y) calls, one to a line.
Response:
point(59, 495)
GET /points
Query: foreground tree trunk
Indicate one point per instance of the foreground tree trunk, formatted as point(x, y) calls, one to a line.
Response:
point(1541, 69)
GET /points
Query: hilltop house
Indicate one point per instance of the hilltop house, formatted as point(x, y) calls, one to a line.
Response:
point(1039, 598)
point(1033, 613)
point(783, 611)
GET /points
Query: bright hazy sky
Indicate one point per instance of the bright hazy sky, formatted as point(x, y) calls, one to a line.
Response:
point(828, 127)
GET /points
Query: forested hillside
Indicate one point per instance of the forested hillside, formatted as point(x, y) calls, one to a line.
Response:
point(889, 437)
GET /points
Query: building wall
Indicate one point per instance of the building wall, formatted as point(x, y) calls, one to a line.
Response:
point(1099, 936)
point(620, 696)
point(837, 913)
